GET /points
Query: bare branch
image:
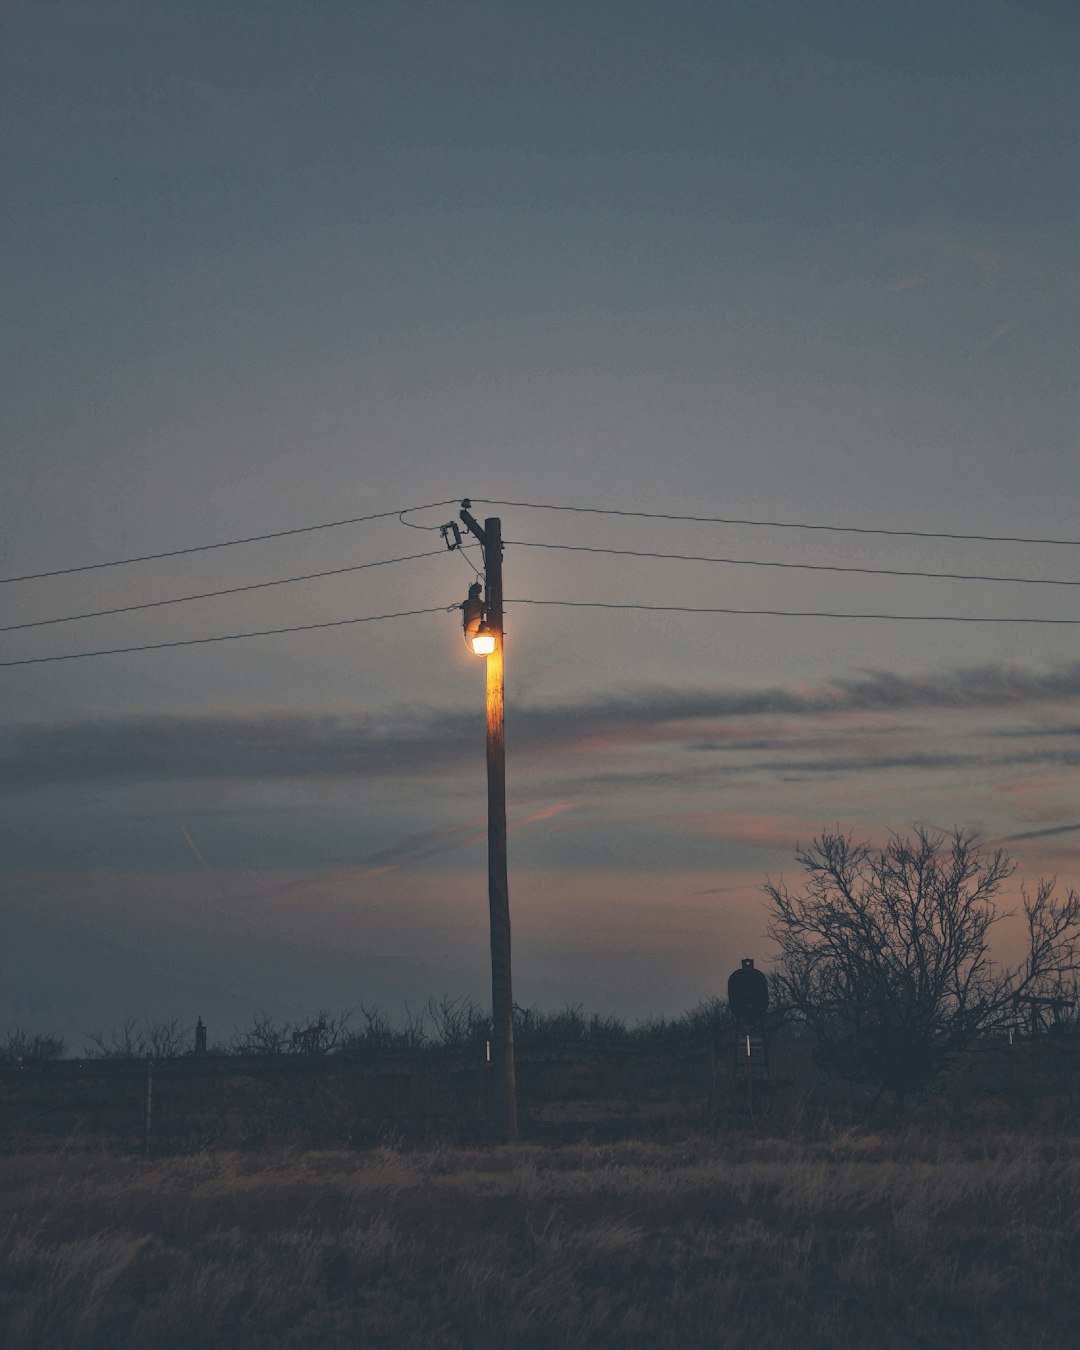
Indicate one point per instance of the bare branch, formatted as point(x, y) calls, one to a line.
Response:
point(885, 952)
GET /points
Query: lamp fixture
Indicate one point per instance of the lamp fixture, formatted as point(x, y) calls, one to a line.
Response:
point(483, 641)
point(478, 634)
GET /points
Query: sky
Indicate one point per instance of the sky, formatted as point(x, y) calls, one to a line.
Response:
point(272, 265)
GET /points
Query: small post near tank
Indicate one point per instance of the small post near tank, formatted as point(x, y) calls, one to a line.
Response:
point(748, 999)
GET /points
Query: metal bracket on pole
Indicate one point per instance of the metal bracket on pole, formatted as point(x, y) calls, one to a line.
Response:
point(472, 526)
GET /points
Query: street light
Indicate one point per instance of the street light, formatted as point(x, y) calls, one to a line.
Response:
point(483, 641)
point(478, 632)
point(482, 620)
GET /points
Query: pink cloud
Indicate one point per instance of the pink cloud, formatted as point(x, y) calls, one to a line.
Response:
point(1028, 787)
point(758, 829)
point(862, 721)
point(542, 813)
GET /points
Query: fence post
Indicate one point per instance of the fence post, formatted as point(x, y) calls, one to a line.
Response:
point(749, 1077)
point(710, 1109)
point(149, 1101)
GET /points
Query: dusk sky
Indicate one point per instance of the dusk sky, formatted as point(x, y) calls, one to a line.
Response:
point(269, 265)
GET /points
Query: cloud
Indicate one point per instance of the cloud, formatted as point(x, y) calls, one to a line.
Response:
point(412, 848)
point(268, 745)
point(197, 851)
point(805, 768)
point(1064, 729)
point(426, 844)
point(1045, 834)
point(1001, 331)
point(758, 829)
point(256, 745)
point(543, 813)
point(902, 284)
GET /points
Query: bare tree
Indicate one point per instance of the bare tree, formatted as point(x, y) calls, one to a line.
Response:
point(885, 953)
point(456, 1023)
point(263, 1037)
point(323, 1034)
point(378, 1036)
point(134, 1040)
point(19, 1045)
point(320, 1035)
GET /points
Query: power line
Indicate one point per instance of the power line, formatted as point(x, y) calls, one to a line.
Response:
point(223, 543)
point(230, 590)
point(789, 613)
point(225, 637)
point(535, 506)
point(802, 567)
point(779, 524)
point(461, 549)
point(402, 514)
point(573, 604)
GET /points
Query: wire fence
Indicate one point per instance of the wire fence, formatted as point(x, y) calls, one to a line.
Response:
point(192, 1101)
point(373, 1087)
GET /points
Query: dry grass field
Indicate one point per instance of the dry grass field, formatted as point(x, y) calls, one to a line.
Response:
point(847, 1238)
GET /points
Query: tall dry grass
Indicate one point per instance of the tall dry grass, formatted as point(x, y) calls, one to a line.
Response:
point(848, 1239)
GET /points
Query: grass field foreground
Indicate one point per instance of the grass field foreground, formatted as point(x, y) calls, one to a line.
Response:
point(850, 1238)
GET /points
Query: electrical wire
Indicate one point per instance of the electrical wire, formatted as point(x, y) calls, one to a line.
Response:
point(801, 567)
point(410, 509)
point(789, 613)
point(779, 524)
point(229, 590)
point(223, 543)
point(526, 543)
point(531, 506)
point(460, 549)
point(227, 637)
point(572, 604)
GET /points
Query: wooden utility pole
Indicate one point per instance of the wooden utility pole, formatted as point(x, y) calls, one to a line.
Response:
point(502, 999)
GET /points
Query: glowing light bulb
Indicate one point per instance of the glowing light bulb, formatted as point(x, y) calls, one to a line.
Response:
point(483, 641)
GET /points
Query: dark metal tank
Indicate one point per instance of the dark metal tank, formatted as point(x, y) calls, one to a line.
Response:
point(748, 993)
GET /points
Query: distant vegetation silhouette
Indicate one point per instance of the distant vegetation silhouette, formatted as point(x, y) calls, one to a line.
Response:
point(885, 953)
point(366, 1032)
point(884, 978)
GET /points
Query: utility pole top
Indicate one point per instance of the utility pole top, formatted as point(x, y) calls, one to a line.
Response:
point(471, 525)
